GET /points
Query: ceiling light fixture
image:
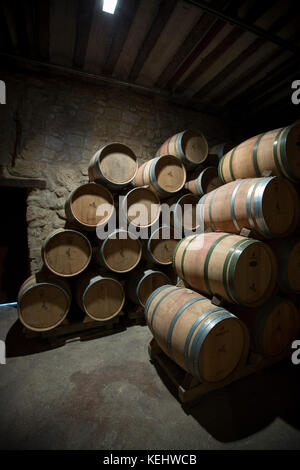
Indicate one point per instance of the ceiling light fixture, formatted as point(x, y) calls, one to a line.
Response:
point(109, 6)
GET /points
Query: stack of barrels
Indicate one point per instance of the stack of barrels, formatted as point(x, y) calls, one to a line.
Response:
point(244, 255)
point(219, 276)
point(99, 260)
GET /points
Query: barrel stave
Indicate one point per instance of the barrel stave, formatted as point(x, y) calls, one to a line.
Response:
point(205, 340)
point(114, 165)
point(238, 269)
point(165, 175)
point(82, 204)
point(272, 327)
point(287, 252)
point(101, 297)
point(189, 146)
point(119, 252)
point(141, 283)
point(275, 151)
point(43, 301)
point(267, 206)
point(66, 252)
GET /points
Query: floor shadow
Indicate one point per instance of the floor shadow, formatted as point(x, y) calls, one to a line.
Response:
point(20, 344)
point(165, 379)
point(250, 404)
point(17, 344)
point(246, 406)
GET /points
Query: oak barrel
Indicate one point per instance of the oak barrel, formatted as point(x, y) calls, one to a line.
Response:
point(85, 202)
point(268, 206)
point(165, 175)
point(160, 245)
point(141, 283)
point(276, 150)
point(272, 327)
point(205, 340)
point(218, 151)
point(238, 269)
point(115, 165)
point(43, 301)
point(66, 252)
point(287, 252)
point(189, 146)
point(207, 181)
point(141, 207)
point(101, 297)
point(119, 252)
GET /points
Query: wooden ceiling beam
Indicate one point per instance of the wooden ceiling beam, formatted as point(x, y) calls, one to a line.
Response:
point(272, 78)
point(28, 22)
point(63, 18)
point(238, 61)
point(161, 18)
point(243, 77)
point(187, 47)
point(99, 40)
point(216, 53)
point(246, 25)
point(6, 43)
point(11, 23)
point(252, 71)
point(123, 20)
point(42, 30)
point(282, 80)
point(196, 35)
point(216, 27)
point(208, 60)
point(137, 33)
point(83, 27)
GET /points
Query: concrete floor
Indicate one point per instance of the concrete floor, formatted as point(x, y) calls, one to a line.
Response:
point(104, 394)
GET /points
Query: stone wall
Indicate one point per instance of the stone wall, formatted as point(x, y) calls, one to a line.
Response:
point(50, 128)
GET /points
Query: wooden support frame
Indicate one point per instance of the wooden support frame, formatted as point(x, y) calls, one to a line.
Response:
point(83, 330)
point(190, 390)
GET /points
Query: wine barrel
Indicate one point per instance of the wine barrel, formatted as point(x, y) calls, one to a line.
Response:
point(43, 301)
point(195, 172)
point(82, 205)
point(287, 252)
point(206, 182)
point(238, 269)
point(184, 212)
point(273, 327)
point(216, 152)
point(66, 252)
point(120, 252)
point(268, 206)
point(205, 340)
point(276, 150)
point(115, 165)
point(165, 175)
point(141, 283)
point(101, 297)
point(189, 146)
point(141, 207)
point(160, 245)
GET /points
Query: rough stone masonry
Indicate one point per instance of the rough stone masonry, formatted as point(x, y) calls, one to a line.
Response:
point(51, 127)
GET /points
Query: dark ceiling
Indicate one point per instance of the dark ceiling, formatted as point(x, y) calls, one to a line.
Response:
point(224, 57)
